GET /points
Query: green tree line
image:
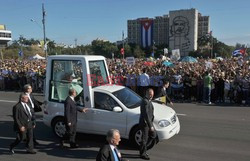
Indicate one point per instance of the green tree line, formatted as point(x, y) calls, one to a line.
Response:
point(31, 47)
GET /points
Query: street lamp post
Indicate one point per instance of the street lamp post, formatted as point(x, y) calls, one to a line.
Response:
point(43, 28)
point(44, 33)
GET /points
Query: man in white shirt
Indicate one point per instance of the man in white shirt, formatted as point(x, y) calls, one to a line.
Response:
point(144, 82)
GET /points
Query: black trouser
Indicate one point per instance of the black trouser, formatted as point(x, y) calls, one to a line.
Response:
point(20, 137)
point(34, 138)
point(70, 134)
point(147, 138)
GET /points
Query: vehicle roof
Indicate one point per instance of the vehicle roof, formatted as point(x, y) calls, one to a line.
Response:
point(76, 56)
point(108, 88)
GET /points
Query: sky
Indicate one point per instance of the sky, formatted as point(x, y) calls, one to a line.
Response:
point(87, 20)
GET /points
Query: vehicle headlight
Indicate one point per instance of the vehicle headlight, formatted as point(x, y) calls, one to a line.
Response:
point(163, 123)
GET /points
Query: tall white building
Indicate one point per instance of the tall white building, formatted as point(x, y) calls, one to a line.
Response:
point(183, 30)
point(5, 36)
point(179, 30)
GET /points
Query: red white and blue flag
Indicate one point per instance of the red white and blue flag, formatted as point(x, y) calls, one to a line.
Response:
point(239, 52)
point(146, 33)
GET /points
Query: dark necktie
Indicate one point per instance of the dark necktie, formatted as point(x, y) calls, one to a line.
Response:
point(26, 107)
point(116, 152)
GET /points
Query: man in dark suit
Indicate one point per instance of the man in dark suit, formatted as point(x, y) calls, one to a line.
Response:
point(146, 123)
point(23, 124)
point(163, 92)
point(70, 114)
point(34, 105)
point(109, 151)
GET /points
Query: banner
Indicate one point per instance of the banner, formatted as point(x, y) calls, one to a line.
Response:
point(146, 33)
point(209, 65)
point(175, 55)
point(130, 60)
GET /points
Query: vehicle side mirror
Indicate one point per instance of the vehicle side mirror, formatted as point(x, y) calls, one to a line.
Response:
point(117, 109)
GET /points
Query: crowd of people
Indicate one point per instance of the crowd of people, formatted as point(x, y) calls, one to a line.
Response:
point(14, 74)
point(207, 80)
point(230, 78)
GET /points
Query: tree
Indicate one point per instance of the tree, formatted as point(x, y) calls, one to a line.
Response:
point(138, 52)
point(105, 48)
point(221, 49)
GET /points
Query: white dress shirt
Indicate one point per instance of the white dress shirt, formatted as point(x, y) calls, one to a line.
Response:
point(32, 104)
point(116, 154)
point(26, 108)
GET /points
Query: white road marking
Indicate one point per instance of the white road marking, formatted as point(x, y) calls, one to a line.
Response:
point(181, 114)
point(10, 138)
point(8, 101)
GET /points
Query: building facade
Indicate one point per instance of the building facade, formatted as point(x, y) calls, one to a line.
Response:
point(134, 30)
point(203, 25)
point(5, 36)
point(159, 24)
point(178, 30)
point(161, 27)
point(183, 31)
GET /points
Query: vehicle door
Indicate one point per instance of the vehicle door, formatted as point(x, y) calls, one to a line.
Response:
point(104, 118)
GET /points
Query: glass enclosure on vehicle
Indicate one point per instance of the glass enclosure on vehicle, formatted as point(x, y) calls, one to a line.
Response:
point(98, 73)
point(66, 74)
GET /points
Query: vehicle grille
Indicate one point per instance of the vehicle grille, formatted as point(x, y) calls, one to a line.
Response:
point(173, 119)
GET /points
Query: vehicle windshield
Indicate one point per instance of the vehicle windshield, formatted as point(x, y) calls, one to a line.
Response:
point(129, 98)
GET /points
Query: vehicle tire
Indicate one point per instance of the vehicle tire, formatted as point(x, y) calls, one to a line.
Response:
point(58, 126)
point(136, 138)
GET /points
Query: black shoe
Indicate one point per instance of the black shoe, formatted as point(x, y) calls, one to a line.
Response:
point(31, 151)
point(36, 143)
point(145, 157)
point(74, 145)
point(145, 154)
point(62, 144)
point(11, 150)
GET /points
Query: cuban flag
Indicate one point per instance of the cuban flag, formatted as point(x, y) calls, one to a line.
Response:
point(146, 33)
point(239, 52)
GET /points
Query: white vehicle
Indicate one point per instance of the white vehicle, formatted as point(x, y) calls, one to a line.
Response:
point(110, 106)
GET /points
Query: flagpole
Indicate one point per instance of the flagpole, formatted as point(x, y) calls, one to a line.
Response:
point(1, 52)
point(154, 47)
point(21, 45)
point(123, 44)
point(44, 33)
point(211, 44)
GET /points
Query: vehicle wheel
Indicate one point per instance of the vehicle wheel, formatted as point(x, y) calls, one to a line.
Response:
point(136, 138)
point(59, 128)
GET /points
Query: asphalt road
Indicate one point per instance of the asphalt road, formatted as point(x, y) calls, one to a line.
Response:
point(208, 133)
